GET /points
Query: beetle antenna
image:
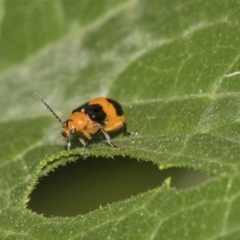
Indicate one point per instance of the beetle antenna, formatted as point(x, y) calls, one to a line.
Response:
point(50, 109)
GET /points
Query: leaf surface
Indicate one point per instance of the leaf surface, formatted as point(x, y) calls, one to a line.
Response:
point(175, 69)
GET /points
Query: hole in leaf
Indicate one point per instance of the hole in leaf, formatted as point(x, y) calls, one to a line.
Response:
point(83, 186)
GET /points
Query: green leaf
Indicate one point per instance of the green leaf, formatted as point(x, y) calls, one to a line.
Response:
point(174, 66)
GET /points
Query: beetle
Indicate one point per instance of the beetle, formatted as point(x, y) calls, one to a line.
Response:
point(97, 115)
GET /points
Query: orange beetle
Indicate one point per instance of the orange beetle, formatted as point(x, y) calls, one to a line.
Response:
point(99, 114)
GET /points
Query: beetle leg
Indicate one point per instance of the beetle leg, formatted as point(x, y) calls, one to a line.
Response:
point(68, 144)
point(85, 145)
point(86, 154)
point(108, 138)
point(83, 142)
point(135, 133)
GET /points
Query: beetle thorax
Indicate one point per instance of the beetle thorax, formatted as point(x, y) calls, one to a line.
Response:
point(75, 124)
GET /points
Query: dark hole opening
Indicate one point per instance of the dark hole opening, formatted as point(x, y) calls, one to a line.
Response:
point(83, 186)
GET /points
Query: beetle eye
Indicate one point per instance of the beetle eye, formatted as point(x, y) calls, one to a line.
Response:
point(73, 131)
